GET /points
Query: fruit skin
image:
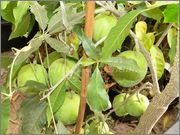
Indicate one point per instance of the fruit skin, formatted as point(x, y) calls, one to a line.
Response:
point(103, 23)
point(34, 72)
point(121, 111)
point(59, 68)
point(98, 127)
point(127, 78)
point(68, 112)
point(136, 108)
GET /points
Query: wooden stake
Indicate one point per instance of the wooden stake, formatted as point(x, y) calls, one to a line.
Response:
point(89, 21)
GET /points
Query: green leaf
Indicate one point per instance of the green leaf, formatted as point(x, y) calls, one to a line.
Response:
point(32, 113)
point(4, 4)
point(61, 128)
point(89, 47)
point(87, 62)
point(171, 13)
point(56, 99)
point(148, 40)
point(5, 114)
point(155, 13)
point(172, 41)
point(97, 97)
point(118, 33)
point(158, 60)
point(21, 28)
point(19, 12)
point(5, 61)
point(7, 14)
point(40, 14)
point(58, 45)
point(75, 84)
point(33, 87)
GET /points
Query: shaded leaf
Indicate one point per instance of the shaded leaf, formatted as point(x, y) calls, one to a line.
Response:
point(32, 113)
point(97, 97)
point(40, 14)
point(5, 61)
point(22, 27)
point(58, 45)
point(158, 60)
point(118, 33)
point(56, 100)
point(5, 113)
point(61, 128)
point(87, 62)
point(155, 13)
point(172, 41)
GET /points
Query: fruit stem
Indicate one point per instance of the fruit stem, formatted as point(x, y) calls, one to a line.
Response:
point(89, 20)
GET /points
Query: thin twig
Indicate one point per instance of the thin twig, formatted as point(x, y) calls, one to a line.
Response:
point(150, 63)
point(144, 86)
point(69, 74)
point(164, 34)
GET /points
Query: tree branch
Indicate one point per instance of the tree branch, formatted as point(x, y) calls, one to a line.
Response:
point(161, 101)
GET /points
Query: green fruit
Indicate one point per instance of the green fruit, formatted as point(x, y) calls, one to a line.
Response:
point(59, 68)
point(137, 105)
point(121, 108)
point(68, 112)
point(129, 78)
point(52, 57)
point(98, 127)
point(103, 23)
point(34, 72)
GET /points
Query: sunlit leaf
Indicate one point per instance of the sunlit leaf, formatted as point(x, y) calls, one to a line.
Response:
point(97, 96)
point(4, 4)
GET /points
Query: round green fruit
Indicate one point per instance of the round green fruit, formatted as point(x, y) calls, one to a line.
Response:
point(103, 23)
point(127, 78)
point(59, 68)
point(137, 105)
point(52, 57)
point(34, 72)
point(68, 112)
point(98, 127)
point(121, 111)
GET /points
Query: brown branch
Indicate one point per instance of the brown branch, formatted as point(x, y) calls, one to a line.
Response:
point(90, 6)
point(161, 101)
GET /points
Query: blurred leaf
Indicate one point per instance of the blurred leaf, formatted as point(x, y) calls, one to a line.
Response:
point(158, 60)
point(162, 3)
point(7, 13)
point(118, 33)
point(171, 13)
point(32, 113)
point(172, 41)
point(58, 45)
point(155, 13)
point(40, 14)
point(21, 28)
point(5, 113)
point(61, 128)
point(87, 62)
point(4, 4)
point(75, 84)
point(148, 40)
point(19, 11)
point(33, 86)
point(5, 61)
point(56, 99)
point(97, 97)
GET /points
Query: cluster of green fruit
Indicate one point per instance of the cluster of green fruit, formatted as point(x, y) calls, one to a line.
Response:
point(136, 105)
point(68, 112)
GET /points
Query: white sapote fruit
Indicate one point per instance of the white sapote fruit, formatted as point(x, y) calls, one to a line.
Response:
point(52, 57)
point(121, 111)
point(103, 23)
point(59, 68)
point(129, 78)
point(137, 105)
point(98, 127)
point(34, 72)
point(68, 112)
